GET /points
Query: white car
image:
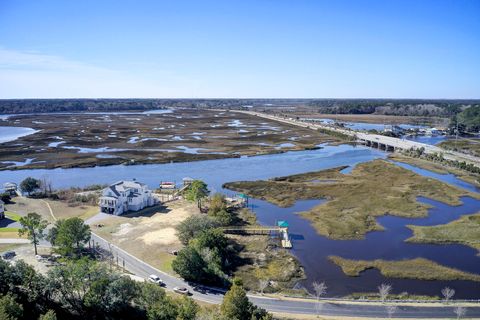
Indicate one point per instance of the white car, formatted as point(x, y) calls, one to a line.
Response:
point(40, 258)
point(181, 290)
point(156, 279)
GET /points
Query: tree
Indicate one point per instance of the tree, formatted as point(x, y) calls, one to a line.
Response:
point(213, 239)
point(187, 309)
point(189, 265)
point(204, 259)
point(69, 235)
point(33, 226)
point(5, 197)
point(447, 293)
point(320, 289)
point(29, 185)
point(196, 191)
point(9, 308)
point(217, 202)
point(193, 225)
point(235, 303)
point(218, 210)
point(87, 288)
point(50, 315)
point(384, 290)
point(263, 284)
point(460, 311)
point(155, 303)
point(391, 309)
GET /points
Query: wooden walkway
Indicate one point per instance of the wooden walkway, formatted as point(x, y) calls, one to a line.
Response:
point(282, 232)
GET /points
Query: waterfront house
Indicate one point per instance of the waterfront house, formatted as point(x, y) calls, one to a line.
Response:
point(187, 181)
point(2, 209)
point(124, 196)
point(10, 188)
point(394, 129)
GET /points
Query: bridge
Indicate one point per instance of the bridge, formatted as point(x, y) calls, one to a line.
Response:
point(375, 140)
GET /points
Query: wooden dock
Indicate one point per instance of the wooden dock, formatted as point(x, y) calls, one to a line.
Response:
point(263, 230)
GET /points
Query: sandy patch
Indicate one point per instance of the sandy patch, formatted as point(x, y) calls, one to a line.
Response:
point(164, 236)
point(173, 217)
point(123, 230)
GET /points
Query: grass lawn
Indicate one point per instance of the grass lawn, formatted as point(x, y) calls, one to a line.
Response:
point(10, 232)
point(8, 229)
point(373, 189)
point(418, 268)
point(465, 230)
point(12, 216)
point(61, 210)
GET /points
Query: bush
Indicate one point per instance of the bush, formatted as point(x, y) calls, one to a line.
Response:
point(193, 225)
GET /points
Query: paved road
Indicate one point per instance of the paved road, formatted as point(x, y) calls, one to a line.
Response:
point(13, 240)
point(142, 269)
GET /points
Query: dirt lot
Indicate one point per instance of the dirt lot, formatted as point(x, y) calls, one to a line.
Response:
point(60, 209)
point(26, 253)
point(148, 234)
point(83, 140)
point(23, 206)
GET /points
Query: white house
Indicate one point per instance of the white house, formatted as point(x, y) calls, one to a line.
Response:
point(124, 196)
point(10, 188)
point(2, 209)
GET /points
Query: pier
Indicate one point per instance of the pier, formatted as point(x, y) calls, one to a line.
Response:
point(280, 231)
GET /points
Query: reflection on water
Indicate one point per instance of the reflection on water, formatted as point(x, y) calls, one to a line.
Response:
point(213, 172)
point(447, 178)
point(13, 133)
point(310, 248)
point(313, 249)
point(433, 140)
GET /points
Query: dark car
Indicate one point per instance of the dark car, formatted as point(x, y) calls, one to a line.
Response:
point(8, 255)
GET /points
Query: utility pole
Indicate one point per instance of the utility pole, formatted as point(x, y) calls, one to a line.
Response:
point(456, 133)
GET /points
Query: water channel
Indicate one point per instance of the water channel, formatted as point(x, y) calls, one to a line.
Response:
point(310, 248)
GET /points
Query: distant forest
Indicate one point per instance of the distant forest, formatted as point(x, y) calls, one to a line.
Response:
point(404, 107)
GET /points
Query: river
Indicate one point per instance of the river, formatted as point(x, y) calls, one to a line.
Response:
point(8, 133)
point(310, 248)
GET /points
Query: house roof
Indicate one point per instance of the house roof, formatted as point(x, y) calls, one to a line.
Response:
point(282, 224)
point(9, 185)
point(123, 186)
point(108, 198)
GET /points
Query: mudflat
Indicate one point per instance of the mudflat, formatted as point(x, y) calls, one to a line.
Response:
point(96, 139)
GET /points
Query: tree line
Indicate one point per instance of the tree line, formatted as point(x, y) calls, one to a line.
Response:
point(81, 286)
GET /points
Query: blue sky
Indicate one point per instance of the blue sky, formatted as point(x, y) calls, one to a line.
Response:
point(244, 49)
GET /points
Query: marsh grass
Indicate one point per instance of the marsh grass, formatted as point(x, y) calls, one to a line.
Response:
point(373, 189)
point(471, 146)
point(419, 268)
point(465, 230)
point(436, 167)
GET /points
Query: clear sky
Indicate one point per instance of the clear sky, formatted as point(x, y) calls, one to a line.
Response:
point(240, 48)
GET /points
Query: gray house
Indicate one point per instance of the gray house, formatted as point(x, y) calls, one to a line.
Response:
point(124, 196)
